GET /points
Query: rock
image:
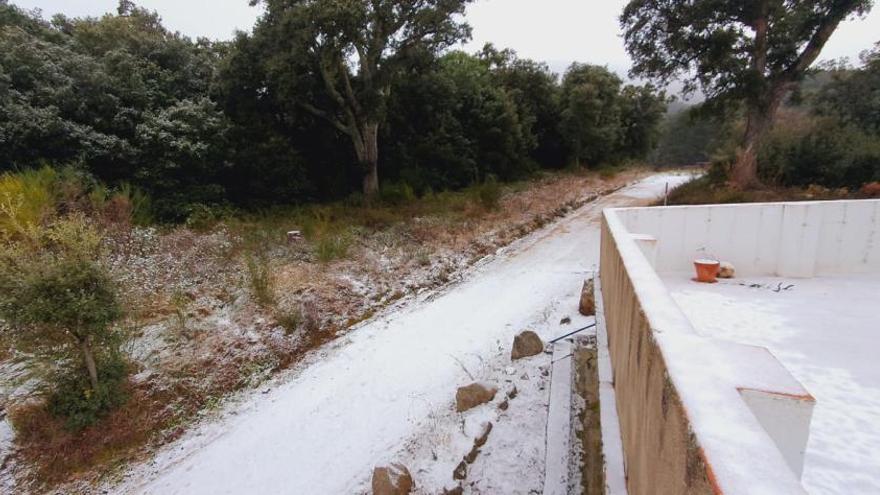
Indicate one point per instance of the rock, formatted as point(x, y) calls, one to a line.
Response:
point(460, 471)
point(526, 344)
point(473, 395)
point(484, 435)
point(393, 479)
point(294, 236)
point(472, 455)
point(588, 301)
point(726, 270)
point(565, 321)
point(454, 491)
point(504, 405)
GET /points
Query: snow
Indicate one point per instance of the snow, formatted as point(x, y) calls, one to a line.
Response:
point(6, 436)
point(556, 476)
point(824, 332)
point(360, 401)
point(656, 186)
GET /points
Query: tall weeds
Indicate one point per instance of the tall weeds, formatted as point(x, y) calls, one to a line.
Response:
point(261, 280)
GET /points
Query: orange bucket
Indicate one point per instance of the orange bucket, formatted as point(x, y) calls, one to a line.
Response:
point(707, 270)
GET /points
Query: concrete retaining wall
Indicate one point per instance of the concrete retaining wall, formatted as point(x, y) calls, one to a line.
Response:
point(777, 239)
point(693, 414)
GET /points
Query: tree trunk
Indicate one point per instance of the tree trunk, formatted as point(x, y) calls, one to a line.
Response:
point(745, 170)
point(759, 120)
point(369, 159)
point(89, 358)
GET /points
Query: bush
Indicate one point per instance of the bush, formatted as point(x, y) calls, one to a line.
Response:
point(139, 204)
point(33, 197)
point(397, 194)
point(74, 399)
point(261, 280)
point(488, 193)
point(608, 172)
point(290, 320)
point(26, 200)
point(201, 217)
point(61, 304)
point(332, 247)
point(824, 152)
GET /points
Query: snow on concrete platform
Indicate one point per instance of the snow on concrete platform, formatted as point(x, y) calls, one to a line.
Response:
point(825, 331)
point(741, 406)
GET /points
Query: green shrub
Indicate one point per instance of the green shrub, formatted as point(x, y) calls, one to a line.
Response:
point(33, 197)
point(180, 303)
point(824, 152)
point(332, 247)
point(74, 399)
point(608, 172)
point(201, 217)
point(397, 194)
point(487, 193)
point(61, 304)
point(261, 280)
point(290, 320)
point(26, 201)
point(141, 209)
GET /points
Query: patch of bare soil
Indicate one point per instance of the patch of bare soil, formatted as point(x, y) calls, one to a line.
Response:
point(200, 329)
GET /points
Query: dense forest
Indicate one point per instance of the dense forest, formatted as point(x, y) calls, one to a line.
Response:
point(269, 118)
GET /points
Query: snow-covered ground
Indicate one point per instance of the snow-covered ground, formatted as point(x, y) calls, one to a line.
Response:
point(375, 395)
point(825, 331)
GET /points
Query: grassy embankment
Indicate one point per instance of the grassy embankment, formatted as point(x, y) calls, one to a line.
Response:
point(222, 304)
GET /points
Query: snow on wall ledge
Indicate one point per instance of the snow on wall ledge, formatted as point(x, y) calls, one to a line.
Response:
point(699, 415)
point(802, 239)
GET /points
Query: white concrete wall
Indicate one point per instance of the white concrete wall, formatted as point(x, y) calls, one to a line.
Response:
point(777, 239)
point(786, 420)
point(747, 414)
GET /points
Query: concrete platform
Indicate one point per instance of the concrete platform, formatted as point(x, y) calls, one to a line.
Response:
point(825, 331)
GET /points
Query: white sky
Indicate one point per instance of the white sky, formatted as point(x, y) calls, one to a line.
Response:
point(555, 31)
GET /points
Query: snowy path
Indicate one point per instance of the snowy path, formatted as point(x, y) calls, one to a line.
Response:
point(323, 430)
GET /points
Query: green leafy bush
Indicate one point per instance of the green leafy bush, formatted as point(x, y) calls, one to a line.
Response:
point(261, 280)
point(824, 151)
point(201, 217)
point(397, 194)
point(487, 193)
point(332, 247)
point(61, 306)
point(26, 200)
point(81, 405)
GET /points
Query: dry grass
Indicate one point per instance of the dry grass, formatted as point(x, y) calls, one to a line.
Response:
point(56, 454)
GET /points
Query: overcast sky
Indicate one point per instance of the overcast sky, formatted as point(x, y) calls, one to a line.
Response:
point(555, 31)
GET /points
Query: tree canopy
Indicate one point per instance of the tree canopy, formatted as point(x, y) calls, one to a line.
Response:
point(854, 95)
point(604, 121)
point(298, 109)
point(736, 52)
point(354, 51)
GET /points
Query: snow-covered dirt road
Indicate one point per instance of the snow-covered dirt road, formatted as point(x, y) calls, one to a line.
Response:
point(366, 395)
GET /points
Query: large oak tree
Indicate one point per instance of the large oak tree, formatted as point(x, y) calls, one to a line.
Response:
point(354, 49)
point(749, 52)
